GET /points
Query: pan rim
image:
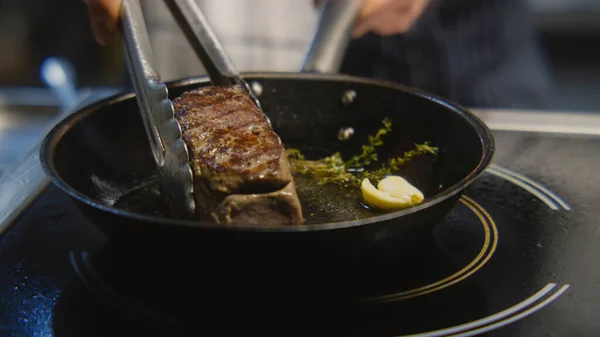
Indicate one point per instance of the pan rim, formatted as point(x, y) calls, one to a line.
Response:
point(57, 132)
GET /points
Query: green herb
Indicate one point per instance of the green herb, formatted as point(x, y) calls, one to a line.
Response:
point(326, 170)
point(368, 154)
point(333, 169)
point(394, 164)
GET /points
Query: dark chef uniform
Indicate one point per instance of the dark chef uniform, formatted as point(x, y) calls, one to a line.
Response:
point(475, 52)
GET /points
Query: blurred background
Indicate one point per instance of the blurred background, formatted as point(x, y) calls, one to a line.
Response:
point(568, 33)
point(31, 30)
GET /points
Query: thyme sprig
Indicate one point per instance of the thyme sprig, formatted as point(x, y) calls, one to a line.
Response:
point(334, 170)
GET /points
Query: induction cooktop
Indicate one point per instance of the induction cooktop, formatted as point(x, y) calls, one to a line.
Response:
point(517, 256)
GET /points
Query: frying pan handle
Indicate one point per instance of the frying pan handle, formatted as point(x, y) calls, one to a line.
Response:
point(331, 37)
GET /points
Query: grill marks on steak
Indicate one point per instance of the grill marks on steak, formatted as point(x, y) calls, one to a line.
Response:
point(230, 141)
point(239, 164)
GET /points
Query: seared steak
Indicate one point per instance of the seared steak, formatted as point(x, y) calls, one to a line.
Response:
point(241, 173)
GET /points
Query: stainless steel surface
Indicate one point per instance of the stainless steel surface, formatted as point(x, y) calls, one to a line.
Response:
point(219, 66)
point(20, 186)
point(17, 117)
point(24, 181)
point(22, 124)
point(15, 98)
point(566, 122)
point(24, 178)
point(25, 112)
point(27, 96)
point(331, 36)
point(163, 130)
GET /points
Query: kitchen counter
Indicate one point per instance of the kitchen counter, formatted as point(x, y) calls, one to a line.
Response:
point(561, 122)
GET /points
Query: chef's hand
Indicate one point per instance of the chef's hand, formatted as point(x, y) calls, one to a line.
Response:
point(386, 17)
point(104, 18)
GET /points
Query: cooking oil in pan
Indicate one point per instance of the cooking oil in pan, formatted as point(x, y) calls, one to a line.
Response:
point(320, 203)
point(142, 200)
point(330, 202)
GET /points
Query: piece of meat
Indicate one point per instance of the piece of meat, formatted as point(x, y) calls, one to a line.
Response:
point(241, 172)
point(266, 209)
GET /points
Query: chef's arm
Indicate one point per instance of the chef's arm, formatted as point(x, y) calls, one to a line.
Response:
point(386, 17)
point(104, 19)
point(383, 17)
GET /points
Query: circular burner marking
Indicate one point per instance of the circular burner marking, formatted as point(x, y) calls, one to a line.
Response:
point(487, 250)
point(502, 318)
point(551, 199)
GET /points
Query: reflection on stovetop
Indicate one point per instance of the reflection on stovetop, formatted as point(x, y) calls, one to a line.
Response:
point(171, 293)
point(509, 260)
point(433, 285)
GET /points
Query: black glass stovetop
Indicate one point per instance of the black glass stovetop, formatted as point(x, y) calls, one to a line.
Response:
point(518, 256)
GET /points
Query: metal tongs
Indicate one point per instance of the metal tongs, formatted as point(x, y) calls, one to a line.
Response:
point(163, 130)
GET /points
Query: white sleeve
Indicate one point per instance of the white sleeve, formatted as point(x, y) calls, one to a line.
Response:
point(259, 35)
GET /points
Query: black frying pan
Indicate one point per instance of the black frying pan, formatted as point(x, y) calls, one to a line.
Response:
point(100, 153)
